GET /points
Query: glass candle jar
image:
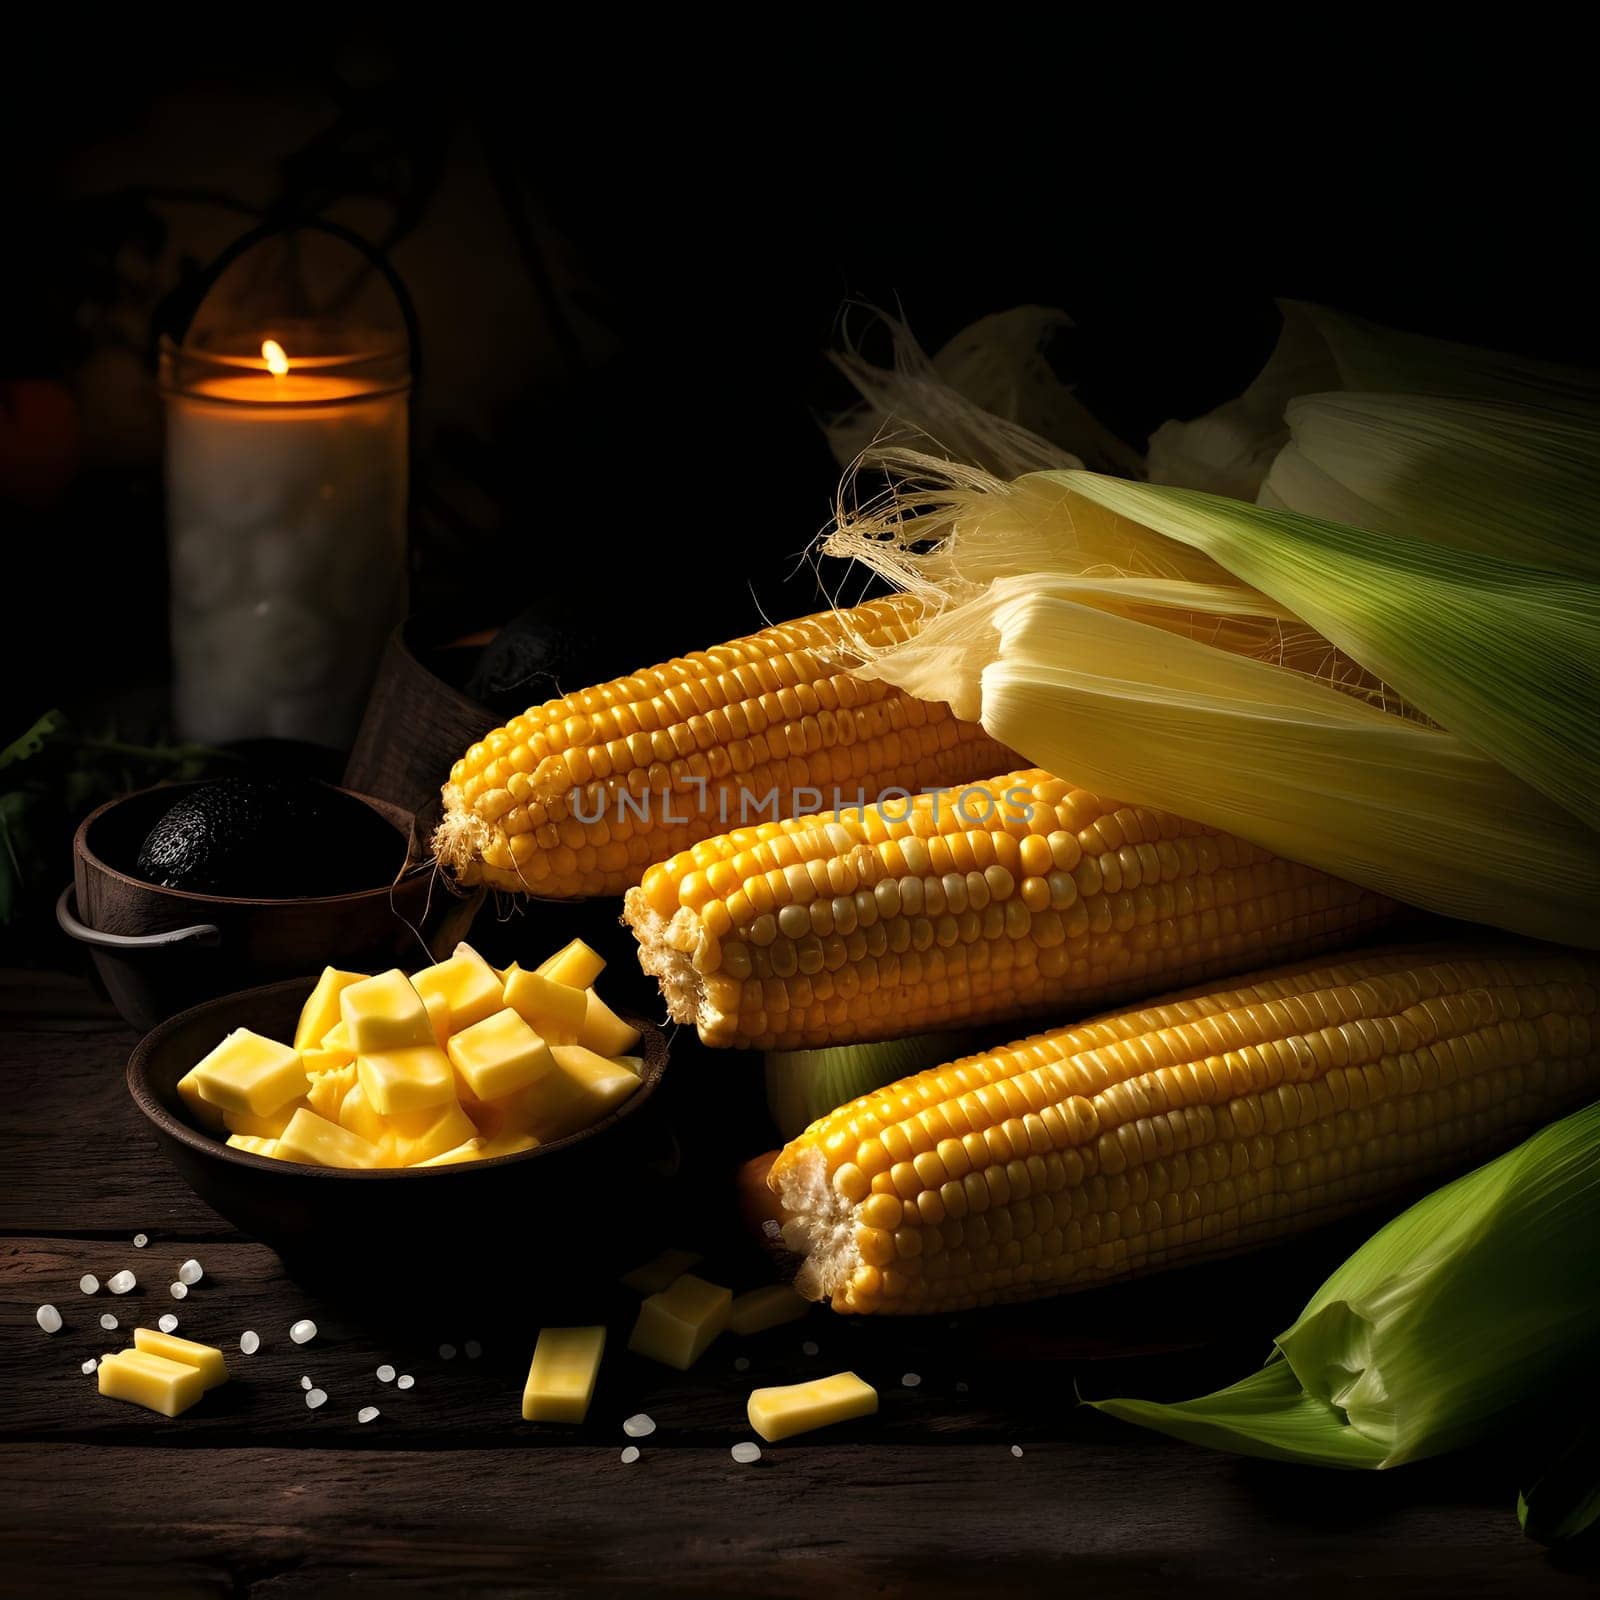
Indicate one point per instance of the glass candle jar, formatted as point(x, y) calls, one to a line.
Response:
point(286, 464)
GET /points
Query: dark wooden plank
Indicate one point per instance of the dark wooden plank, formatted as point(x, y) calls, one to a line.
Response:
point(910, 1521)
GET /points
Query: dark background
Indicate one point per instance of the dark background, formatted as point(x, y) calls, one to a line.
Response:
point(631, 247)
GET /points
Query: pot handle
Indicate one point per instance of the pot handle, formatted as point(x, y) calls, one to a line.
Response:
point(204, 934)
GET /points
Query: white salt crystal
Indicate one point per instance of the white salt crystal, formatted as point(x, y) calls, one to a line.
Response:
point(447, 1352)
point(745, 1452)
point(386, 1373)
point(89, 1365)
point(303, 1331)
point(630, 1454)
point(639, 1427)
point(108, 1322)
point(404, 1381)
point(911, 1379)
point(809, 1348)
point(89, 1283)
point(48, 1318)
point(741, 1363)
point(179, 1291)
point(367, 1414)
point(191, 1272)
point(121, 1282)
point(315, 1398)
point(1016, 1449)
point(168, 1323)
point(140, 1240)
point(474, 1349)
point(305, 1383)
point(249, 1341)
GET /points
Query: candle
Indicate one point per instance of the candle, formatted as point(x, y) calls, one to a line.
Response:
point(286, 518)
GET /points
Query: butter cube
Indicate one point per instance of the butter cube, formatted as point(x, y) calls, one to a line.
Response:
point(766, 1308)
point(150, 1381)
point(267, 1127)
point(566, 1362)
point(206, 1359)
point(800, 1407)
point(468, 1150)
point(574, 964)
point(583, 1088)
point(421, 1135)
point(320, 1143)
point(409, 1079)
point(675, 1326)
point(247, 1073)
point(555, 1011)
point(328, 1090)
point(466, 983)
point(338, 1038)
point(438, 1009)
point(500, 1055)
point(604, 1031)
point(659, 1271)
point(252, 1145)
point(356, 1114)
point(201, 1109)
point(318, 1060)
point(384, 1013)
point(321, 1011)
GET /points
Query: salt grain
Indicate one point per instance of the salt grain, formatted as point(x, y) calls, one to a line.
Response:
point(108, 1322)
point(121, 1282)
point(741, 1363)
point(745, 1452)
point(249, 1341)
point(474, 1349)
point(1016, 1449)
point(809, 1348)
point(630, 1454)
point(89, 1283)
point(179, 1291)
point(140, 1240)
point(367, 1414)
point(305, 1383)
point(191, 1272)
point(303, 1331)
point(316, 1397)
point(386, 1373)
point(911, 1379)
point(447, 1352)
point(168, 1323)
point(639, 1427)
point(48, 1318)
point(89, 1365)
point(404, 1381)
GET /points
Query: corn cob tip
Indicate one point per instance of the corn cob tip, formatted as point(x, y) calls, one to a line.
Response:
point(666, 952)
point(460, 839)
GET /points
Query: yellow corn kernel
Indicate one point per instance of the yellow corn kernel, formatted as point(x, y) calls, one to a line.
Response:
point(555, 1011)
point(206, 1359)
point(384, 1013)
point(675, 1326)
point(760, 1309)
point(500, 1056)
point(320, 1013)
point(561, 1377)
point(267, 1127)
point(466, 983)
point(252, 1145)
point(249, 1074)
point(319, 1143)
point(409, 1079)
point(151, 1381)
point(654, 1275)
point(575, 965)
point(799, 1407)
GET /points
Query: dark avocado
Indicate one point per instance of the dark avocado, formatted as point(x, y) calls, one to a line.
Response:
point(270, 838)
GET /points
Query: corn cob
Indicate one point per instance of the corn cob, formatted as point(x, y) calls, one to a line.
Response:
point(1201, 1125)
point(979, 903)
point(578, 796)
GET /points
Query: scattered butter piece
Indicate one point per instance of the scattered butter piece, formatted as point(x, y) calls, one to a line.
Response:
point(799, 1407)
point(766, 1308)
point(151, 1381)
point(676, 1325)
point(206, 1359)
point(561, 1377)
point(655, 1274)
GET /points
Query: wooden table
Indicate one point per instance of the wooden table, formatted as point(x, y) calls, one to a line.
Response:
point(449, 1491)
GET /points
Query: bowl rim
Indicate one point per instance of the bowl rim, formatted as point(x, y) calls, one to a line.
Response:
point(657, 1058)
point(404, 822)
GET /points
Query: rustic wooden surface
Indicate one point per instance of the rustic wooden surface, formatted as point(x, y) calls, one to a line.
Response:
point(450, 1492)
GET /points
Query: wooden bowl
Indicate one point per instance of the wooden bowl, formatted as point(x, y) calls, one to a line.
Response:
point(159, 950)
point(573, 1202)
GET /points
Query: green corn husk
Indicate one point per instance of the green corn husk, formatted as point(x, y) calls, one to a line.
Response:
point(1441, 1329)
point(1564, 1500)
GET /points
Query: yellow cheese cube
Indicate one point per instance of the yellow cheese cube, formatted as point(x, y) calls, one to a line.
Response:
point(338, 1038)
point(150, 1381)
point(267, 1127)
point(566, 1362)
point(384, 1013)
point(201, 1109)
point(409, 1079)
point(604, 1031)
point(328, 1090)
point(675, 1326)
point(766, 1308)
point(420, 1135)
point(318, 1060)
point(250, 1074)
point(583, 1088)
point(252, 1145)
point(321, 1011)
point(356, 1113)
point(575, 964)
point(499, 1055)
point(206, 1359)
point(320, 1143)
point(659, 1271)
point(800, 1407)
point(555, 1011)
point(468, 1150)
point(439, 1018)
point(467, 983)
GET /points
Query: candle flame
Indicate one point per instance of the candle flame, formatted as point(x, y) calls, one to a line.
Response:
point(273, 354)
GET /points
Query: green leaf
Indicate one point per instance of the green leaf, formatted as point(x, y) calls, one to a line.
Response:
point(34, 740)
point(1564, 1500)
